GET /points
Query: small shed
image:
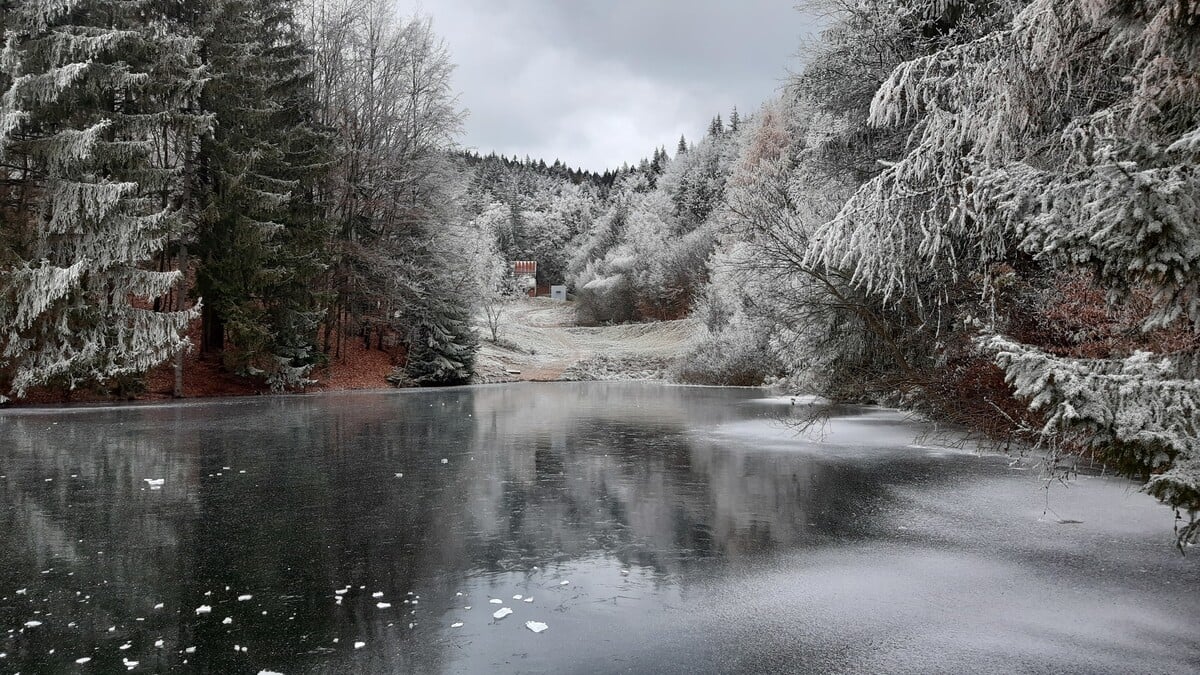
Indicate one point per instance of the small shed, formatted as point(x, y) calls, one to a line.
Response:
point(558, 293)
point(525, 274)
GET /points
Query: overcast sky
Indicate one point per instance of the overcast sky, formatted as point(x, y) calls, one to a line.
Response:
point(600, 82)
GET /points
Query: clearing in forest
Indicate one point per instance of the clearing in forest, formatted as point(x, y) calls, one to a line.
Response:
point(539, 340)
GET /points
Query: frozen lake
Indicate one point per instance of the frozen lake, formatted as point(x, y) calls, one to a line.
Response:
point(650, 528)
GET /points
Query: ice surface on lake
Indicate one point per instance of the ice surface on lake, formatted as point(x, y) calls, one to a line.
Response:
point(695, 529)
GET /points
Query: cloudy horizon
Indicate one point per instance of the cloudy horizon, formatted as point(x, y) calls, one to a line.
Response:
point(597, 85)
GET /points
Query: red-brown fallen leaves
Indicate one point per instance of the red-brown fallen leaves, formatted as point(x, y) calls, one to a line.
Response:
point(204, 377)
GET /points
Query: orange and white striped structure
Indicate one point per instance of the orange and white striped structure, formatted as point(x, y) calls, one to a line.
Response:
point(525, 272)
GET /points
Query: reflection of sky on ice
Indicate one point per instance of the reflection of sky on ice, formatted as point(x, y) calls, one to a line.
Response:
point(695, 530)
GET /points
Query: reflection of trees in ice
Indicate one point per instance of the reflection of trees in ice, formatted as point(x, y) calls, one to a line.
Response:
point(84, 534)
point(587, 477)
point(558, 477)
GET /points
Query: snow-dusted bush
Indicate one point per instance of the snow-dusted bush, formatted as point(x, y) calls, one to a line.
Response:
point(735, 349)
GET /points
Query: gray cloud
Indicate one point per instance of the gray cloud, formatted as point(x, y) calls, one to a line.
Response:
point(597, 83)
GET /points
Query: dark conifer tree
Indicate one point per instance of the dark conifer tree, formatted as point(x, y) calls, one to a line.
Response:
point(261, 242)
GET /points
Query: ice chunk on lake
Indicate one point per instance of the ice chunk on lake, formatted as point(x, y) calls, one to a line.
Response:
point(528, 599)
point(359, 645)
point(501, 613)
point(564, 583)
point(155, 482)
point(517, 597)
point(228, 620)
point(384, 605)
point(158, 643)
point(32, 624)
point(203, 609)
point(445, 461)
point(536, 626)
point(496, 601)
point(243, 598)
point(456, 624)
point(83, 660)
point(377, 594)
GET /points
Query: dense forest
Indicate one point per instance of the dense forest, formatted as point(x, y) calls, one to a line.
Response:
point(983, 211)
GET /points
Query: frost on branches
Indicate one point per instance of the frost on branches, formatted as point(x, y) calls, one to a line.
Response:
point(1136, 411)
point(1069, 136)
point(93, 141)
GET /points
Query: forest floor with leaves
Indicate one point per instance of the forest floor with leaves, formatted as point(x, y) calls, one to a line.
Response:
point(540, 341)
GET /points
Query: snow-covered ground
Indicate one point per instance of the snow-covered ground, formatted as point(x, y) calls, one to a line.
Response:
point(540, 341)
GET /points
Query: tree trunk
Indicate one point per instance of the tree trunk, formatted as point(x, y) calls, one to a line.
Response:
point(183, 266)
point(212, 333)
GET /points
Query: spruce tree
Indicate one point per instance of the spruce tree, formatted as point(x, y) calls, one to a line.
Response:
point(98, 125)
point(261, 242)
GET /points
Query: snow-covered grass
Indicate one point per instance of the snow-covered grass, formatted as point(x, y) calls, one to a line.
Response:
point(540, 341)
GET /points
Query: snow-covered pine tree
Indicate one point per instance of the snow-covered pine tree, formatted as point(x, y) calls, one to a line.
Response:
point(261, 244)
point(1070, 136)
point(98, 125)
